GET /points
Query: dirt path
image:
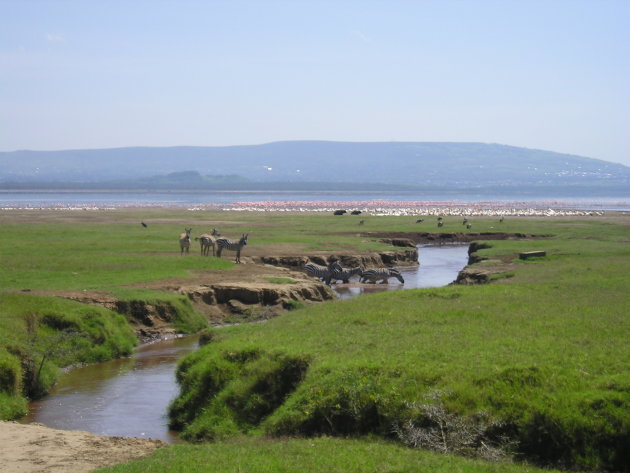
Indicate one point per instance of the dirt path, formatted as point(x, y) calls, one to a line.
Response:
point(34, 448)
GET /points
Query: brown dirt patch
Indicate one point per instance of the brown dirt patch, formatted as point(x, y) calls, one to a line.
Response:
point(34, 448)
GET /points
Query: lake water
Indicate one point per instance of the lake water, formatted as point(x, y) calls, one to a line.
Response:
point(308, 199)
point(129, 397)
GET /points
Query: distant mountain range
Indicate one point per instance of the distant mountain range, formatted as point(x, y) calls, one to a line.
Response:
point(310, 165)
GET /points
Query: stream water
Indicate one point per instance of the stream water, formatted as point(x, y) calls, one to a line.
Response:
point(129, 397)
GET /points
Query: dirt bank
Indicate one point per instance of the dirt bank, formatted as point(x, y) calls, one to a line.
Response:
point(34, 448)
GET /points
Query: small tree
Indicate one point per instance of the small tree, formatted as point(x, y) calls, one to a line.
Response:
point(40, 349)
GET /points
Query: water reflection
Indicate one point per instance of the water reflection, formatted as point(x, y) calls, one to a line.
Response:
point(439, 266)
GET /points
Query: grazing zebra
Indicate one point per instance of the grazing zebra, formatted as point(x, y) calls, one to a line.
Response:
point(381, 274)
point(344, 274)
point(206, 241)
point(324, 273)
point(232, 245)
point(184, 241)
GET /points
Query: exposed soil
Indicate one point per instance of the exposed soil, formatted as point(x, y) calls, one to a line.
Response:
point(34, 448)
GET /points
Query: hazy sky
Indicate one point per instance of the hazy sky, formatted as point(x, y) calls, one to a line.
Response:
point(548, 74)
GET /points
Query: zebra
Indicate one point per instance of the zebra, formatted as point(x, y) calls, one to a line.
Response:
point(184, 241)
point(344, 274)
point(381, 274)
point(206, 241)
point(232, 245)
point(324, 273)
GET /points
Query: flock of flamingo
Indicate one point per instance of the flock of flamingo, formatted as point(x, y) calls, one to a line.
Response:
point(371, 207)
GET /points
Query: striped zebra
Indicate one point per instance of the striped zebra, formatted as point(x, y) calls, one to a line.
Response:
point(322, 272)
point(208, 240)
point(344, 274)
point(381, 274)
point(184, 241)
point(232, 245)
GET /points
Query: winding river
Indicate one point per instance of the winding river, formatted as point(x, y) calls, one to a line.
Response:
point(129, 397)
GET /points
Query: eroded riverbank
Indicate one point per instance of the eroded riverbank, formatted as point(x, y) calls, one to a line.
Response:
point(129, 397)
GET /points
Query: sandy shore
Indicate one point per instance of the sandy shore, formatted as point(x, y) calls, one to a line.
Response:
point(34, 448)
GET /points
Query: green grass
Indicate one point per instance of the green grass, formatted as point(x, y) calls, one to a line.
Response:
point(539, 356)
point(93, 256)
point(39, 335)
point(543, 353)
point(281, 280)
point(317, 455)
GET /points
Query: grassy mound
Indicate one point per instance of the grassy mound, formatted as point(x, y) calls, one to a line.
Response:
point(535, 365)
point(39, 335)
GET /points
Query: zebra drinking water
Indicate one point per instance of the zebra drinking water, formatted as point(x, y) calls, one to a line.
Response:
point(344, 274)
point(380, 274)
point(324, 273)
point(184, 241)
point(232, 245)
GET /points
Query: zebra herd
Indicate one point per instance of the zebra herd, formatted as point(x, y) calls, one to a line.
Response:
point(215, 241)
point(335, 272)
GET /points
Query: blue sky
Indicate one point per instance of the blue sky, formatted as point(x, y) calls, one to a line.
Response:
point(551, 74)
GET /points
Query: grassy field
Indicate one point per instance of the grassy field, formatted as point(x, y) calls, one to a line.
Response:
point(316, 455)
point(535, 366)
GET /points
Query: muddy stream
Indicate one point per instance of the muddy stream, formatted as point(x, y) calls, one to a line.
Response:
point(129, 397)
